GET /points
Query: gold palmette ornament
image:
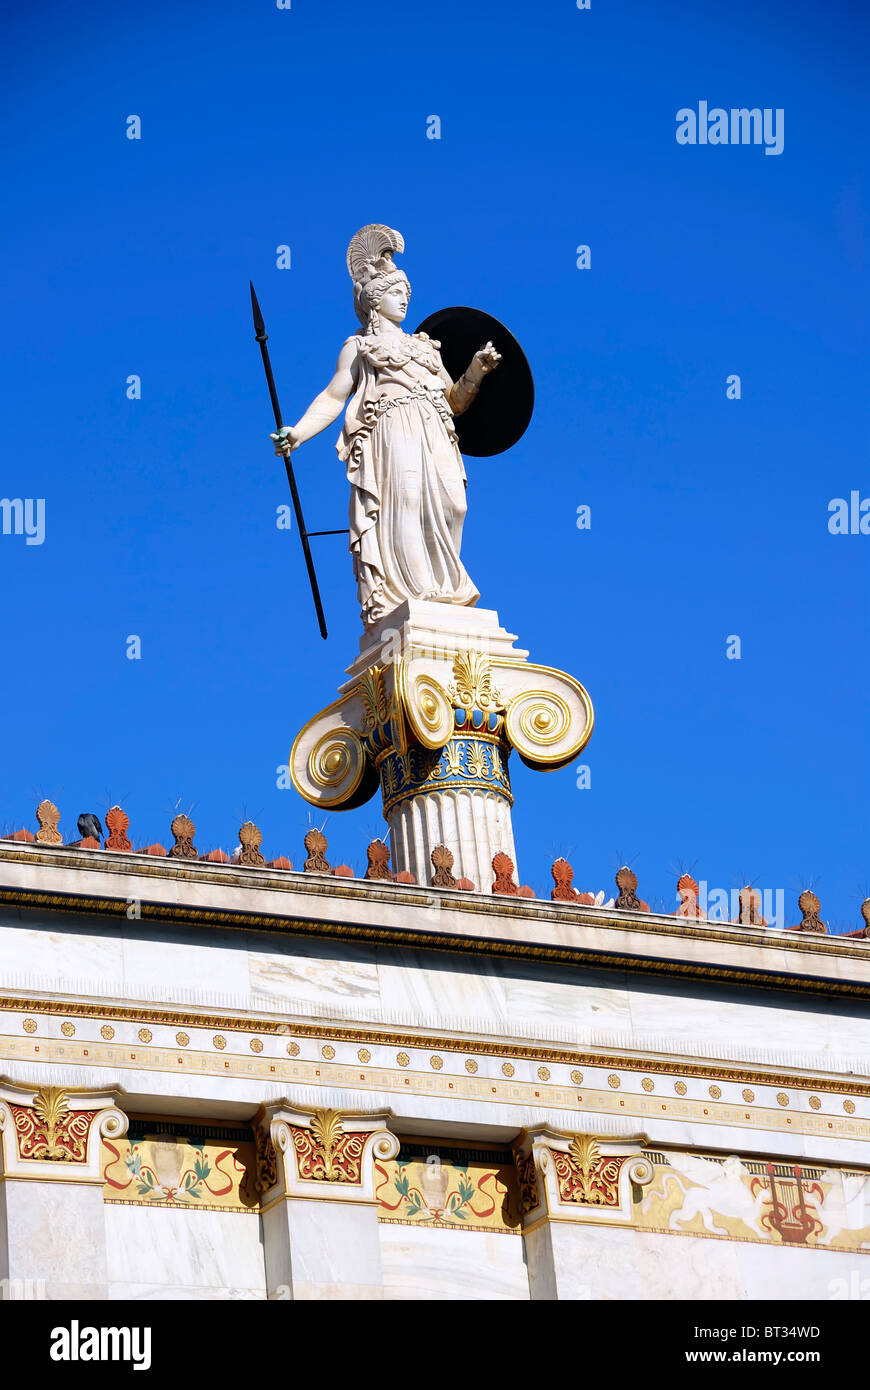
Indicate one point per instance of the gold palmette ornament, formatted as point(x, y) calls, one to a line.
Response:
point(52, 1106)
point(326, 1131)
point(472, 687)
point(586, 1154)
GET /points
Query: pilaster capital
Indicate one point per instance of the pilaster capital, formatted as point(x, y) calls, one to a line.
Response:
point(579, 1177)
point(53, 1133)
point(320, 1153)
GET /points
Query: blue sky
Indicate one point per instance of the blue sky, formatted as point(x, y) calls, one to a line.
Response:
point(263, 127)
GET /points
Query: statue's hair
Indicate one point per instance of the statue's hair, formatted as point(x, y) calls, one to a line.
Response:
point(371, 268)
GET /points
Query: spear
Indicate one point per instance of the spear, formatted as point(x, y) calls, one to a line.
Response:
point(261, 336)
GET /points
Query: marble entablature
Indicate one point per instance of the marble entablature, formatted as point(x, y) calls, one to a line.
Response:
point(255, 1072)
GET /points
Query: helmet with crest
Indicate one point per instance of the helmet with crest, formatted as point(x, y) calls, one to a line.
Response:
point(372, 270)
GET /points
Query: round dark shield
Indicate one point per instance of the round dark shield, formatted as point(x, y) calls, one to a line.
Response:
point(500, 413)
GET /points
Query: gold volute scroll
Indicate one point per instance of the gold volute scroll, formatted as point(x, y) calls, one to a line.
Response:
point(396, 713)
point(336, 764)
point(550, 723)
point(427, 706)
point(328, 762)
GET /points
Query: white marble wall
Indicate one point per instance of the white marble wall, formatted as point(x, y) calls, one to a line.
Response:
point(52, 1235)
point(322, 1250)
point(570, 1261)
point(169, 1253)
point(443, 1265)
point(319, 1249)
point(434, 990)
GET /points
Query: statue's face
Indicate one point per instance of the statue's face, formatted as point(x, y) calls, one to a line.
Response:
point(394, 302)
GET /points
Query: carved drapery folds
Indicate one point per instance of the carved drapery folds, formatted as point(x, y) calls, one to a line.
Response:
point(579, 1177)
point(54, 1133)
point(319, 1153)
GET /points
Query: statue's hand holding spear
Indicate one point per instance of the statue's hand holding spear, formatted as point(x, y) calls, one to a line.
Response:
point(285, 442)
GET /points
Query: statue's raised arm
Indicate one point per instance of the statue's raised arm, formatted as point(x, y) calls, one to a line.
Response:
point(325, 409)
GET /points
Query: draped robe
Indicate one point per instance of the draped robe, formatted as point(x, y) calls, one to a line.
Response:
point(407, 480)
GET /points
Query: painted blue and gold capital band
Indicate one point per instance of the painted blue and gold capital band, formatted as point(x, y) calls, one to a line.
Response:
point(474, 760)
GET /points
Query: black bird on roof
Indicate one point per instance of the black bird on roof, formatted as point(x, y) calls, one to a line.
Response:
point(89, 826)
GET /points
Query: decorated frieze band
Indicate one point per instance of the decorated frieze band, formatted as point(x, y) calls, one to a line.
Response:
point(595, 1179)
point(441, 1185)
point(189, 1164)
point(52, 1133)
point(319, 1153)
